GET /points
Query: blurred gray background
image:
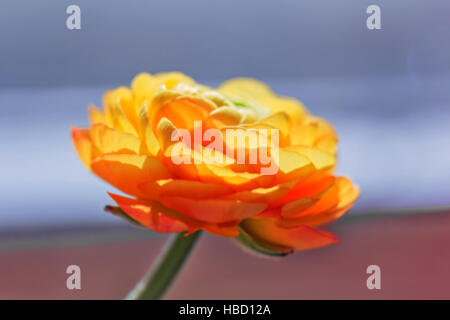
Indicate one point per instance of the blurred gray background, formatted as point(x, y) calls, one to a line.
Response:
point(386, 91)
point(220, 39)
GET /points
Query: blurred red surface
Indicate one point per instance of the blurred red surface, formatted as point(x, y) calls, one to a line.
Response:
point(412, 252)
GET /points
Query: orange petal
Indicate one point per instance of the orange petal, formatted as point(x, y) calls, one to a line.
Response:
point(323, 202)
point(294, 207)
point(162, 219)
point(150, 214)
point(299, 238)
point(306, 197)
point(224, 230)
point(348, 192)
point(127, 171)
point(236, 180)
point(270, 195)
point(332, 205)
point(83, 145)
point(185, 188)
point(307, 188)
point(213, 210)
point(181, 110)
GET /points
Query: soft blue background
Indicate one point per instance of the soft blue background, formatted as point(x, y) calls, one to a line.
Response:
point(386, 91)
point(219, 39)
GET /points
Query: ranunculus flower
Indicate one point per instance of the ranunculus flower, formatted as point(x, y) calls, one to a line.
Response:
point(131, 143)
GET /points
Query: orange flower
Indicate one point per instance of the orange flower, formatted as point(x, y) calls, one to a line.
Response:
point(132, 142)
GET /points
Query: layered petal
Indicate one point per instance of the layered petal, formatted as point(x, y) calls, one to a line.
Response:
point(157, 217)
point(83, 145)
point(110, 140)
point(127, 172)
point(151, 214)
point(344, 193)
point(214, 210)
point(237, 161)
point(194, 190)
point(299, 238)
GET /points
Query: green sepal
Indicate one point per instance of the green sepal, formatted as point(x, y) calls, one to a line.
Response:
point(120, 213)
point(250, 243)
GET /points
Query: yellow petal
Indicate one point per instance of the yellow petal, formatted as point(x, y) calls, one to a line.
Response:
point(171, 79)
point(96, 116)
point(120, 110)
point(292, 165)
point(109, 140)
point(315, 132)
point(143, 85)
point(165, 131)
point(146, 133)
point(279, 120)
point(292, 107)
point(225, 116)
point(246, 88)
point(320, 159)
point(252, 90)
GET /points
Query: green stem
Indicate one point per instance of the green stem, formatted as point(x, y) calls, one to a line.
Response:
point(170, 261)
